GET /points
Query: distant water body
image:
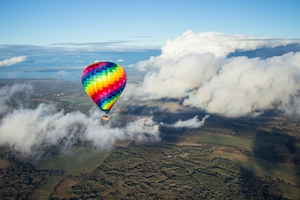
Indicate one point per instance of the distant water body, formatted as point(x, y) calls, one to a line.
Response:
point(69, 66)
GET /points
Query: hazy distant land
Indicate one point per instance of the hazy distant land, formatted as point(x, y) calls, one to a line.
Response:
point(226, 158)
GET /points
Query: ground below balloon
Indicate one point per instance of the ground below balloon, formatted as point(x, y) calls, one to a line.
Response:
point(224, 159)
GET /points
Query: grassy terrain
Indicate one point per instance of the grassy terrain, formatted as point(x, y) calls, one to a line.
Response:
point(79, 103)
point(272, 139)
point(288, 173)
point(76, 99)
point(44, 191)
point(297, 148)
point(170, 172)
point(225, 147)
point(243, 143)
point(290, 191)
point(283, 171)
point(75, 160)
point(63, 188)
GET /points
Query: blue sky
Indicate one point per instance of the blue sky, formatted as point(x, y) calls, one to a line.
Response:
point(71, 34)
point(141, 23)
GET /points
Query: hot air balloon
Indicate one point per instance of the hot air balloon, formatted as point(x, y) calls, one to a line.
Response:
point(104, 82)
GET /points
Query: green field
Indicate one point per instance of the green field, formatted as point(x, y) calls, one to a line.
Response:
point(286, 172)
point(243, 143)
point(79, 103)
point(283, 171)
point(76, 99)
point(297, 148)
point(272, 138)
point(44, 191)
point(290, 191)
point(75, 160)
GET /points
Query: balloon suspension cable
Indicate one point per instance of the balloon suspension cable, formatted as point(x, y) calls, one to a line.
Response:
point(105, 117)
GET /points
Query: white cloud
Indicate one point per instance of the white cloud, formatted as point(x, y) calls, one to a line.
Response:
point(55, 59)
point(190, 123)
point(12, 61)
point(244, 86)
point(60, 74)
point(7, 92)
point(145, 128)
point(218, 44)
point(32, 131)
point(194, 67)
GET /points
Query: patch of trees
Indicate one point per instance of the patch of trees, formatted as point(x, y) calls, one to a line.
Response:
point(19, 179)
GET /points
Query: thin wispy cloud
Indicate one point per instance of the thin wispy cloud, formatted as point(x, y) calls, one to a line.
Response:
point(8, 92)
point(118, 45)
point(190, 123)
point(84, 44)
point(71, 48)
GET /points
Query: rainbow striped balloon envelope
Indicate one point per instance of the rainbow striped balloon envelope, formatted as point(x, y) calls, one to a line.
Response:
point(104, 82)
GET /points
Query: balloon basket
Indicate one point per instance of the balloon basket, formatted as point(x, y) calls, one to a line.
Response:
point(105, 117)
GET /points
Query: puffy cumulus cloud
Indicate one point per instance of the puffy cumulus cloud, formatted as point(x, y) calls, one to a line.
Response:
point(12, 61)
point(218, 44)
point(248, 86)
point(177, 78)
point(33, 131)
point(195, 68)
point(145, 128)
point(190, 123)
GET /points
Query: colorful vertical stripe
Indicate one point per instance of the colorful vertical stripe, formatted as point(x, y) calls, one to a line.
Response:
point(104, 82)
